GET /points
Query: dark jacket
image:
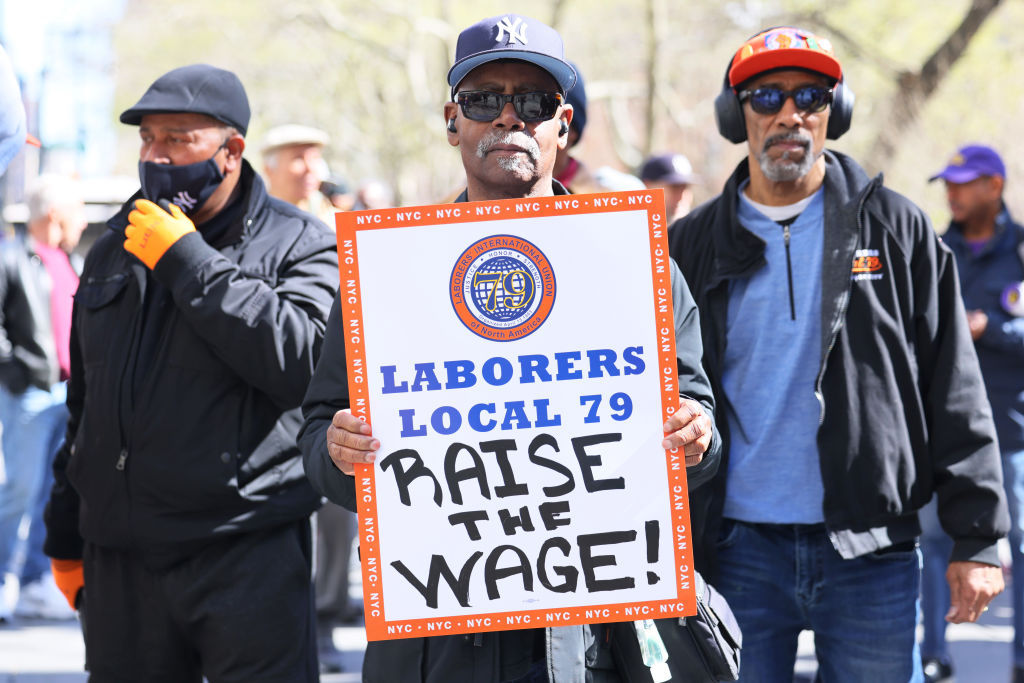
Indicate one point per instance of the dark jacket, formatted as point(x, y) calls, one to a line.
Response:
point(572, 651)
point(28, 351)
point(186, 383)
point(903, 408)
point(983, 278)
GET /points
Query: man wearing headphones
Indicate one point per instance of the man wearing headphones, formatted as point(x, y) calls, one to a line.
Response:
point(836, 340)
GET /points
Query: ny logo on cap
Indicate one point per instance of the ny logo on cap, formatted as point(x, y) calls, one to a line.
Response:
point(512, 28)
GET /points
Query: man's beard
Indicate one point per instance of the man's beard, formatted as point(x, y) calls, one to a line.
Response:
point(783, 169)
point(514, 163)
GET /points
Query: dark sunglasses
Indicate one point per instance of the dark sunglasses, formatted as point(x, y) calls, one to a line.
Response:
point(769, 99)
point(482, 105)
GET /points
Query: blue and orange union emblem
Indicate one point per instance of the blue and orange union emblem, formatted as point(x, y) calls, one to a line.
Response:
point(502, 287)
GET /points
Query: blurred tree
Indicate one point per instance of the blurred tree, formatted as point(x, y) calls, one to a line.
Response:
point(917, 86)
point(929, 75)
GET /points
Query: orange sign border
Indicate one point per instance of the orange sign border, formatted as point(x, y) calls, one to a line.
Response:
point(378, 627)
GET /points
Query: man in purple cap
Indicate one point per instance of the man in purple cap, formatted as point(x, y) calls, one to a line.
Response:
point(507, 118)
point(178, 523)
point(673, 173)
point(835, 335)
point(989, 249)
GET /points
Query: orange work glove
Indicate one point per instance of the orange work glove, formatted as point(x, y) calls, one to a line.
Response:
point(69, 578)
point(152, 230)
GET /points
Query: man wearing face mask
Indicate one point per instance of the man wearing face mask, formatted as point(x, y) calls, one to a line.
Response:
point(179, 518)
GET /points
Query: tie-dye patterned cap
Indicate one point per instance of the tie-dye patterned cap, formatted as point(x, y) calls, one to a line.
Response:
point(782, 47)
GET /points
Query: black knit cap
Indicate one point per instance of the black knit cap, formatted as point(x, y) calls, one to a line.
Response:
point(196, 89)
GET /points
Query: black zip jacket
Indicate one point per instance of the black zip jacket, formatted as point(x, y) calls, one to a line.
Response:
point(28, 351)
point(186, 383)
point(903, 408)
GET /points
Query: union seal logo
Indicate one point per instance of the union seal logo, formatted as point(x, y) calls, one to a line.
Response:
point(502, 288)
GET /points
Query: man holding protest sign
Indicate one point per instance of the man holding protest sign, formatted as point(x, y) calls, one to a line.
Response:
point(836, 335)
point(508, 120)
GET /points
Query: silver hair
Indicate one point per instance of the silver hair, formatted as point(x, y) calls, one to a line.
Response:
point(51, 191)
point(270, 158)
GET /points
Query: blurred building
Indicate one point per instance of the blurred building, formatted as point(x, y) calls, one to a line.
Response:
point(63, 55)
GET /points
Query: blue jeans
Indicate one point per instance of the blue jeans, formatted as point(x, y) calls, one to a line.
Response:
point(781, 579)
point(936, 547)
point(1013, 481)
point(33, 428)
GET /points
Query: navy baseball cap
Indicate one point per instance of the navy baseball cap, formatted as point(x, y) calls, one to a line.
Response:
point(971, 162)
point(577, 97)
point(195, 89)
point(672, 169)
point(511, 36)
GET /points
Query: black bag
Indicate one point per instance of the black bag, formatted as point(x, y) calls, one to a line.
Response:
point(702, 648)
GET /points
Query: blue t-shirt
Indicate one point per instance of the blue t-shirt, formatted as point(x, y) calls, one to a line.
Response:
point(772, 356)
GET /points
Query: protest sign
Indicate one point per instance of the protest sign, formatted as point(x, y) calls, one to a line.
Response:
point(517, 362)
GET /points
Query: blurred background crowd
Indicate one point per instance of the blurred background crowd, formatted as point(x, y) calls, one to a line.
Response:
point(346, 99)
point(930, 76)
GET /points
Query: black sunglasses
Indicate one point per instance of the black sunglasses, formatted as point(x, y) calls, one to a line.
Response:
point(769, 99)
point(483, 105)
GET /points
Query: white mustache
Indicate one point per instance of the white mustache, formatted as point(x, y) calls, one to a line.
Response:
point(517, 138)
point(797, 137)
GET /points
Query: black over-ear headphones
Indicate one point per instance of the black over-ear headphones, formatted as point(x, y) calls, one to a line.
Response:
point(729, 110)
point(451, 126)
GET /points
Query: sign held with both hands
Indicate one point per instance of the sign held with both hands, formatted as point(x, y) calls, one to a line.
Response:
point(516, 359)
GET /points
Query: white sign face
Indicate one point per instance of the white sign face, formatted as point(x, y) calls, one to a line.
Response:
point(517, 362)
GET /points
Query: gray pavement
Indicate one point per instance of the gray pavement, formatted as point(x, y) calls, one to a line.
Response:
point(52, 652)
point(37, 651)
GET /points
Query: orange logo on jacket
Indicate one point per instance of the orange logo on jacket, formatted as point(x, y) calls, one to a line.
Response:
point(867, 265)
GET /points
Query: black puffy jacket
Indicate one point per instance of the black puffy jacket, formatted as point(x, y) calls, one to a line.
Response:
point(184, 403)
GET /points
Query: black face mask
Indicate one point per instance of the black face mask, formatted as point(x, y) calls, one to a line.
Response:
point(188, 186)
